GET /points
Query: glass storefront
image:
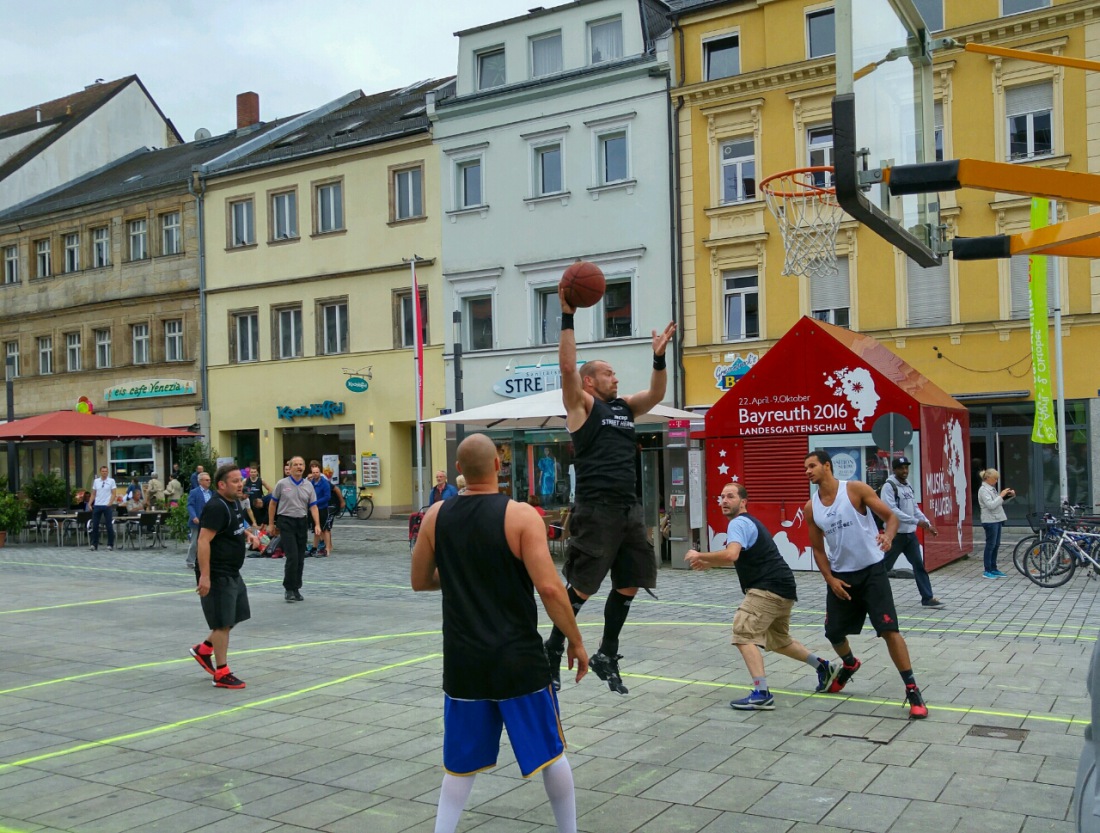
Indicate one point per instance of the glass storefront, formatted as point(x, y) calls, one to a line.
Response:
point(315, 442)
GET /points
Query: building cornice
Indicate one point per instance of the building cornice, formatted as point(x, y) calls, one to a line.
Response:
point(251, 288)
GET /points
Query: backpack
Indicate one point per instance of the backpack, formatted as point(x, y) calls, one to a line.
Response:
point(878, 521)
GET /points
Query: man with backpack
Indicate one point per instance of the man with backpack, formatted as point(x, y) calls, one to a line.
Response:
point(897, 493)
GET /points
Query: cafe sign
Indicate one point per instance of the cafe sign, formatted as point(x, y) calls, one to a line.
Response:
point(149, 388)
point(325, 410)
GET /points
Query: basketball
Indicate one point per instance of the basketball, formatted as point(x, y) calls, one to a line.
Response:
point(583, 283)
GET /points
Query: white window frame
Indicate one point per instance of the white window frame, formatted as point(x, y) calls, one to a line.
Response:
point(284, 215)
point(544, 292)
point(138, 231)
point(170, 239)
point(101, 247)
point(42, 250)
point(712, 41)
point(242, 223)
point(11, 264)
point(815, 13)
point(460, 195)
point(817, 143)
point(1029, 116)
point(411, 189)
point(102, 348)
point(596, 24)
point(173, 340)
point(545, 37)
point(72, 251)
point(404, 335)
point(343, 330)
point(329, 198)
point(538, 181)
point(738, 163)
point(11, 349)
point(601, 310)
point(743, 292)
point(73, 358)
point(246, 338)
point(292, 317)
point(468, 319)
point(45, 355)
point(490, 52)
point(1035, 6)
point(139, 341)
point(601, 139)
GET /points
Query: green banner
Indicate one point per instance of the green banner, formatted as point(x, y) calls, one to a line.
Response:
point(1044, 430)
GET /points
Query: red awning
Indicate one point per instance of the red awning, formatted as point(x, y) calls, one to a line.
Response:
point(64, 426)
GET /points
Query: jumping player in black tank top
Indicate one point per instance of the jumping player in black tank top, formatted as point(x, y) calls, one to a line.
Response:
point(607, 532)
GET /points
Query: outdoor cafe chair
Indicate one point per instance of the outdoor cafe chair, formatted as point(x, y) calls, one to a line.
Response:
point(144, 525)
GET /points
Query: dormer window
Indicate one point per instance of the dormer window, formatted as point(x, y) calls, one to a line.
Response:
point(490, 68)
point(605, 40)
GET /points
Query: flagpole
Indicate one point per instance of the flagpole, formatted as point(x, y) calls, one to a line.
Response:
point(1063, 479)
point(418, 381)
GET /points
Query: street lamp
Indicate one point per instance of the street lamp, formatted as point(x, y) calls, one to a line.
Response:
point(460, 432)
point(9, 364)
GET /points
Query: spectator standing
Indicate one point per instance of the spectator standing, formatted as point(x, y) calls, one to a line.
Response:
point(993, 518)
point(103, 508)
point(442, 489)
point(173, 492)
point(322, 487)
point(197, 499)
point(898, 494)
point(195, 476)
point(259, 493)
point(154, 492)
point(293, 502)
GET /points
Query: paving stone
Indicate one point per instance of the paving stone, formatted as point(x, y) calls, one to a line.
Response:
point(797, 802)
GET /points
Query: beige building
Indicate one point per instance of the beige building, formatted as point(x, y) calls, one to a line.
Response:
point(308, 237)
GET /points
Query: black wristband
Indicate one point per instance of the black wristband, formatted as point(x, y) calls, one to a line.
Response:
point(658, 362)
point(567, 321)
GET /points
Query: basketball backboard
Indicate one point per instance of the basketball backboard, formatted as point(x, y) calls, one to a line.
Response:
point(884, 116)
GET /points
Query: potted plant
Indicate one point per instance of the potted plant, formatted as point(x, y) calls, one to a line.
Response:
point(13, 515)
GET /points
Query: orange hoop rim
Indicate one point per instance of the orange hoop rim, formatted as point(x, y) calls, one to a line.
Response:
point(808, 188)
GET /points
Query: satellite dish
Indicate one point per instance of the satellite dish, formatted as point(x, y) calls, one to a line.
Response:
point(202, 133)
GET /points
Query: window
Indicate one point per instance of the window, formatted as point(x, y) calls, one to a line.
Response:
point(242, 229)
point(289, 328)
point(101, 247)
point(548, 311)
point(618, 309)
point(408, 316)
point(932, 13)
point(334, 320)
point(723, 57)
point(170, 233)
point(477, 312)
point(829, 296)
point(819, 152)
point(929, 292)
point(605, 40)
point(1020, 287)
point(11, 360)
point(612, 157)
point(102, 348)
point(11, 264)
point(42, 248)
point(72, 352)
point(1019, 6)
point(330, 207)
point(45, 355)
point(490, 69)
point(173, 340)
point(284, 216)
point(937, 114)
point(140, 340)
point(246, 336)
point(468, 183)
point(738, 170)
point(548, 170)
point(72, 252)
point(139, 239)
point(741, 305)
point(1029, 111)
point(545, 54)
point(821, 33)
point(408, 194)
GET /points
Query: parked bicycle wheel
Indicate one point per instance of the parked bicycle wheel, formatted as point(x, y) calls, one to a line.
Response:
point(365, 508)
point(1022, 548)
point(1050, 564)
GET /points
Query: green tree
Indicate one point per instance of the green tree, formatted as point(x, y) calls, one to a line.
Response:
point(195, 455)
point(47, 491)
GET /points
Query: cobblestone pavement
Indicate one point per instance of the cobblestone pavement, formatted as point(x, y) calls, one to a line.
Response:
point(108, 725)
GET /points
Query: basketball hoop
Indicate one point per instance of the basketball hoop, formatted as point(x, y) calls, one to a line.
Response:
point(808, 216)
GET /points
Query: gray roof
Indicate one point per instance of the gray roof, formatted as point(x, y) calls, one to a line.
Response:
point(680, 7)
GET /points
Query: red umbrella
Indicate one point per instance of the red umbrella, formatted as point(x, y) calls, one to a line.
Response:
point(65, 426)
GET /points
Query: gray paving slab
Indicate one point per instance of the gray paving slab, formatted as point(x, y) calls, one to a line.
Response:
point(340, 727)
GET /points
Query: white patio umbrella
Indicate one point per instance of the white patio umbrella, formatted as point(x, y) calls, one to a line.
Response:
point(542, 410)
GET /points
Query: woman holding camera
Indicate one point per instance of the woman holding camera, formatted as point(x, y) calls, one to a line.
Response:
point(993, 518)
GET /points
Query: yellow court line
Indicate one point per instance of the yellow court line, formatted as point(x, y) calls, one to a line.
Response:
point(917, 629)
point(95, 602)
point(166, 727)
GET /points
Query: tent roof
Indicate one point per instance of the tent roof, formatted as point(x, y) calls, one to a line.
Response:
point(540, 411)
point(71, 425)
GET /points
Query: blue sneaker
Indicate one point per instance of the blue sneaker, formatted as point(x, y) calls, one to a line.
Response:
point(989, 574)
point(758, 701)
point(999, 574)
point(826, 673)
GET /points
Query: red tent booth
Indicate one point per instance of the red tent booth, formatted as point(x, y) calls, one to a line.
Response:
point(822, 386)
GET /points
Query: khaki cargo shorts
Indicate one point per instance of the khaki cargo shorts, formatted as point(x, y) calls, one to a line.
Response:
point(764, 618)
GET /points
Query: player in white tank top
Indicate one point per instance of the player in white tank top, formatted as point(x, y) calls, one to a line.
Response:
point(851, 537)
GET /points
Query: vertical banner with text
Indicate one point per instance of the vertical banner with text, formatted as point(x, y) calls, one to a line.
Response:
point(1043, 431)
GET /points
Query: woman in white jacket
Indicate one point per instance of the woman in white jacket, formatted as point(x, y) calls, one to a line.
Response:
point(993, 518)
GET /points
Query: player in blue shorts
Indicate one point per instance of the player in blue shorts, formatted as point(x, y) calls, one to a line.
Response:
point(488, 554)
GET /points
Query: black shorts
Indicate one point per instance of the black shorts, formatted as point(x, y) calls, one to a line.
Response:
point(327, 516)
point(605, 537)
point(871, 597)
point(226, 604)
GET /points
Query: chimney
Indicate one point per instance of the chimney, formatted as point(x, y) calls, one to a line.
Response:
point(38, 114)
point(248, 109)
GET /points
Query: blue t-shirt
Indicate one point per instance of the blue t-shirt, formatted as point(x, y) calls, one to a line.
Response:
point(742, 531)
point(323, 488)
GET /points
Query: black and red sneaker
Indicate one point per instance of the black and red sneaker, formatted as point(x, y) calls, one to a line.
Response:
point(846, 673)
point(225, 678)
point(917, 709)
point(206, 660)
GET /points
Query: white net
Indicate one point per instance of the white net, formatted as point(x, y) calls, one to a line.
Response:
point(808, 216)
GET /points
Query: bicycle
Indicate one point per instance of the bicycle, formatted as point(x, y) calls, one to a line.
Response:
point(360, 504)
point(1047, 528)
point(1054, 560)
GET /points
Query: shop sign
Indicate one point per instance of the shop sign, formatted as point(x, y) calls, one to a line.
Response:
point(356, 384)
point(148, 388)
point(529, 380)
point(845, 400)
point(727, 375)
point(326, 410)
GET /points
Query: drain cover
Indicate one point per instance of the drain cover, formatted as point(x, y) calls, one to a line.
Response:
point(859, 727)
point(999, 732)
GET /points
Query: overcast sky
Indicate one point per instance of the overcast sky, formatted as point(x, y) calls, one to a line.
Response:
point(195, 56)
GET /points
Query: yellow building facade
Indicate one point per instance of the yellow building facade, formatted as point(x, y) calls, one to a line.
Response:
point(309, 302)
point(753, 97)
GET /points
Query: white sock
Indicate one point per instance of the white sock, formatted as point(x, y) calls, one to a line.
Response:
point(558, 780)
point(452, 799)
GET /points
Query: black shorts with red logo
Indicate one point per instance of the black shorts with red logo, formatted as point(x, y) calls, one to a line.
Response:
point(871, 596)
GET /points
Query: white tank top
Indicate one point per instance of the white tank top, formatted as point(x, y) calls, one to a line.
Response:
point(850, 537)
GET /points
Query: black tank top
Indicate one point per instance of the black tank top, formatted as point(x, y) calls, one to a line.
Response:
point(761, 567)
point(491, 645)
point(605, 449)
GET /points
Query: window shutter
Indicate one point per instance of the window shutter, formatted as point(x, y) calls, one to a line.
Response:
point(929, 294)
point(831, 291)
point(1031, 98)
point(1018, 278)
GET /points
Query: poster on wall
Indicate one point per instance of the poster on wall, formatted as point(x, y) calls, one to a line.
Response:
point(944, 482)
point(330, 467)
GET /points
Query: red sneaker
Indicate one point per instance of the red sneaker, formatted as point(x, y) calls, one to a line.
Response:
point(206, 660)
point(917, 709)
point(846, 673)
point(227, 679)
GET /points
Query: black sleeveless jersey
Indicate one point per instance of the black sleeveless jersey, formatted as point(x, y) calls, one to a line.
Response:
point(761, 567)
point(605, 449)
point(491, 645)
